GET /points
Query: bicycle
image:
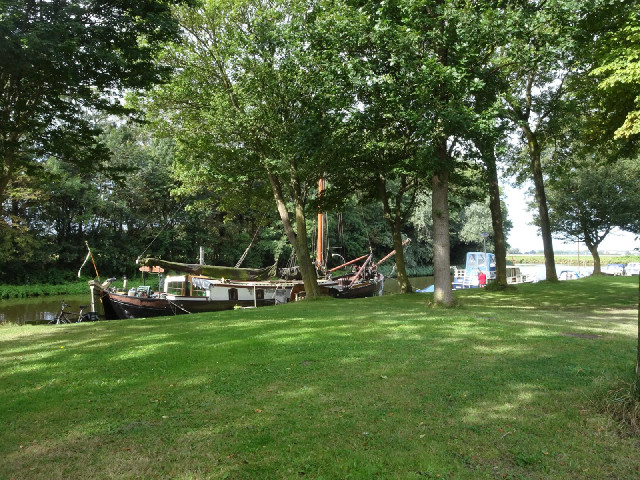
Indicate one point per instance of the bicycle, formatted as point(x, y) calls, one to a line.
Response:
point(66, 316)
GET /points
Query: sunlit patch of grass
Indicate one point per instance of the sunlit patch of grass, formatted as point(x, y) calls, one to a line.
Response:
point(504, 385)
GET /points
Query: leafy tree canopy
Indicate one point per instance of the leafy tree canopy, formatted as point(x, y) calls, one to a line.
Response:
point(61, 59)
point(619, 70)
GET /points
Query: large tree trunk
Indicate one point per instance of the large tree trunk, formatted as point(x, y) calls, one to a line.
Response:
point(307, 268)
point(638, 347)
point(488, 155)
point(299, 241)
point(596, 257)
point(541, 199)
point(441, 246)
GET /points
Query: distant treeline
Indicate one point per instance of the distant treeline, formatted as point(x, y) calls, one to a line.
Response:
point(585, 260)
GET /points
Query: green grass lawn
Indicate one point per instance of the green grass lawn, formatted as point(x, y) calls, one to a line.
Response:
point(506, 385)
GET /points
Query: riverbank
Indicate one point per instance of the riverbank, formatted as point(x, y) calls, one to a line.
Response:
point(508, 384)
point(43, 290)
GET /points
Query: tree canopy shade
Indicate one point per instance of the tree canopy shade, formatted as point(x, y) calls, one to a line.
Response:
point(62, 59)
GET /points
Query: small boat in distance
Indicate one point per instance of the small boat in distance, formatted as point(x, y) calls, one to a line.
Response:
point(569, 275)
point(515, 276)
point(616, 269)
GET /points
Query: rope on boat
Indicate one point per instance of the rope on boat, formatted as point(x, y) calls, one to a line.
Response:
point(244, 255)
point(178, 306)
point(364, 222)
point(164, 227)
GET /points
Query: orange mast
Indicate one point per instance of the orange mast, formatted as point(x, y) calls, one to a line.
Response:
point(320, 239)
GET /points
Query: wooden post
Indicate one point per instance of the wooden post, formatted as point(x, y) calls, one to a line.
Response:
point(93, 299)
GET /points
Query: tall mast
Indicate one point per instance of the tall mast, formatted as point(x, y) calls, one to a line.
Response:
point(320, 239)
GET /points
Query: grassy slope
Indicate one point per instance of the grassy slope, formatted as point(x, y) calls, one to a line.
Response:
point(503, 386)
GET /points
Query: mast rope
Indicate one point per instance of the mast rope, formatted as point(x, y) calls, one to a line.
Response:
point(244, 255)
point(366, 228)
point(163, 228)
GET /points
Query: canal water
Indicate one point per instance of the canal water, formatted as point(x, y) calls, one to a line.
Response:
point(540, 271)
point(391, 284)
point(39, 310)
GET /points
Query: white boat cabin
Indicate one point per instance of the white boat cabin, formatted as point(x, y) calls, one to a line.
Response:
point(225, 290)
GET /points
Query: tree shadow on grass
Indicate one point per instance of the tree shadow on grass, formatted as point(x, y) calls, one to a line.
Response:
point(381, 387)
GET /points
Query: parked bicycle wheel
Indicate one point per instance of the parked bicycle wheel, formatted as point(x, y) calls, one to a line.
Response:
point(89, 317)
point(60, 319)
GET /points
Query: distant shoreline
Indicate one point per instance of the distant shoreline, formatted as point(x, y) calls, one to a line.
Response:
point(572, 259)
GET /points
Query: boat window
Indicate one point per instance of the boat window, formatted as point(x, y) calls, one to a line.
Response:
point(198, 292)
point(175, 288)
point(233, 294)
point(259, 294)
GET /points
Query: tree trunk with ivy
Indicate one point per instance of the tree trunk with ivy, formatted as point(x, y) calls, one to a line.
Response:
point(394, 216)
point(297, 239)
point(638, 348)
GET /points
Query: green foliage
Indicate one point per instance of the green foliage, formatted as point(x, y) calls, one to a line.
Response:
point(593, 198)
point(475, 220)
point(618, 67)
point(63, 59)
point(376, 96)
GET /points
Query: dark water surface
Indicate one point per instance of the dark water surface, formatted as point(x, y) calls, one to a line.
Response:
point(391, 284)
point(38, 310)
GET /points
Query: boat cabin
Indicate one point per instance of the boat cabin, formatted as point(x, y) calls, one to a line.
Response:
point(224, 290)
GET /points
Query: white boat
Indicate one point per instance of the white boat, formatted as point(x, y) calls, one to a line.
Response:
point(569, 275)
point(616, 269)
point(632, 268)
point(476, 262)
point(516, 276)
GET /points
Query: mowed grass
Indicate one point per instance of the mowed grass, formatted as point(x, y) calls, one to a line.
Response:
point(506, 385)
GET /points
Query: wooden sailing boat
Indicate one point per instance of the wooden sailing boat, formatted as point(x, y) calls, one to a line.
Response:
point(193, 292)
point(364, 280)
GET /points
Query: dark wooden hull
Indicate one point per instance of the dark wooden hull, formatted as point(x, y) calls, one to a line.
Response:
point(119, 306)
point(366, 288)
point(122, 306)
